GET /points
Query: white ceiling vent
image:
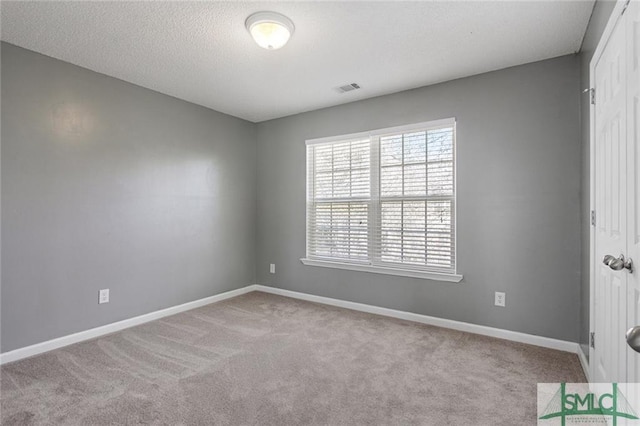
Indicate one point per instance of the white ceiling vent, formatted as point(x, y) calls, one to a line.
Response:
point(348, 88)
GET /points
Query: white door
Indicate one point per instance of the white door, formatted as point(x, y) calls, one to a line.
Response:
point(610, 207)
point(632, 16)
point(617, 200)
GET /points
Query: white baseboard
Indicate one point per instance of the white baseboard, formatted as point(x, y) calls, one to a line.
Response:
point(49, 345)
point(515, 336)
point(584, 363)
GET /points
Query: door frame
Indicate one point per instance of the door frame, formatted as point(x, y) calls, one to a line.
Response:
point(604, 39)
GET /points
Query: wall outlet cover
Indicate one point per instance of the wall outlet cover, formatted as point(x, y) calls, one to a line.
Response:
point(272, 268)
point(500, 299)
point(103, 296)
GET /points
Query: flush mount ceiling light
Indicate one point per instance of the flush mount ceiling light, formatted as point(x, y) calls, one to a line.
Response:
point(270, 30)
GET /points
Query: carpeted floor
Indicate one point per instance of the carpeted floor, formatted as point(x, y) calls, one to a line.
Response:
point(270, 360)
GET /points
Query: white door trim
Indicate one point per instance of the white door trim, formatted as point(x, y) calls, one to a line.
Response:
point(604, 38)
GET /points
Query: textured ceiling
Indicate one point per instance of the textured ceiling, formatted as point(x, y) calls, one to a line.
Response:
point(202, 53)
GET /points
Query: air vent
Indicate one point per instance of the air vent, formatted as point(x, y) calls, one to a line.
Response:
point(348, 88)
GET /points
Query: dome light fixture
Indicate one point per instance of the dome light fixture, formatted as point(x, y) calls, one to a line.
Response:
point(270, 30)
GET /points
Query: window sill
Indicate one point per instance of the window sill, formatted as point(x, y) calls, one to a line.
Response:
point(437, 276)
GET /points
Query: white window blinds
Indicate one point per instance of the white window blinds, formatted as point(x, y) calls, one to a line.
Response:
point(384, 198)
point(340, 189)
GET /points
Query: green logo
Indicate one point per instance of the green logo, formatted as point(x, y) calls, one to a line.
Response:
point(613, 405)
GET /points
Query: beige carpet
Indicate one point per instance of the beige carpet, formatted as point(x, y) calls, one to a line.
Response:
point(270, 360)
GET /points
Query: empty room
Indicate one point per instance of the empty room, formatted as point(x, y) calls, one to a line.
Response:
point(320, 213)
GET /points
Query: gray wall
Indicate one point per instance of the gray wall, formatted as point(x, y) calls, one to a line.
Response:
point(599, 17)
point(109, 185)
point(518, 199)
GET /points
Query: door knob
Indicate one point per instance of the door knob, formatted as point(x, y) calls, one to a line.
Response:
point(619, 263)
point(633, 338)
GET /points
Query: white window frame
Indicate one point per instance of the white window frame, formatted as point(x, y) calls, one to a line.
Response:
point(401, 270)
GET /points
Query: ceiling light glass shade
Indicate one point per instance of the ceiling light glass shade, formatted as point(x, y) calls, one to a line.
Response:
point(269, 29)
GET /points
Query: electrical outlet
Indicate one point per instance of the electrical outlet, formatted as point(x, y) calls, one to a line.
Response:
point(103, 296)
point(500, 299)
point(272, 268)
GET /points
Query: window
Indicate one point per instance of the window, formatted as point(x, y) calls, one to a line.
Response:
point(384, 201)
